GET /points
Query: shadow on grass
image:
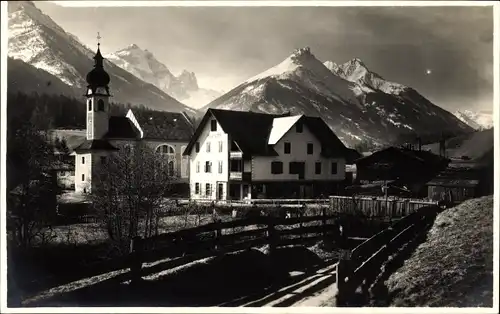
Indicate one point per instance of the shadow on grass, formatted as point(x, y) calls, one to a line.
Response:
point(378, 295)
point(203, 283)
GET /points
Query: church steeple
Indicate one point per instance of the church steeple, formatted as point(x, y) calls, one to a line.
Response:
point(97, 98)
point(98, 79)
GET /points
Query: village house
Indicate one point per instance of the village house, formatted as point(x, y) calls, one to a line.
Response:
point(167, 133)
point(400, 167)
point(246, 155)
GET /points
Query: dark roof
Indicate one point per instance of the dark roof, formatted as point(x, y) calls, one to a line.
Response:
point(121, 127)
point(403, 154)
point(331, 145)
point(164, 125)
point(251, 130)
point(95, 145)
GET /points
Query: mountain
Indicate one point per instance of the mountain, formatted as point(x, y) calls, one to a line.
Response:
point(143, 64)
point(37, 40)
point(23, 77)
point(476, 120)
point(357, 104)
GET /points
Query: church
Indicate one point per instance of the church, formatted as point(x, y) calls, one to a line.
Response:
point(167, 133)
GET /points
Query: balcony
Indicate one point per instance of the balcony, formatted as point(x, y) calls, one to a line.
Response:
point(235, 154)
point(240, 176)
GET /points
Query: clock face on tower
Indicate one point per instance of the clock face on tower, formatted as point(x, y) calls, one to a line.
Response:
point(101, 90)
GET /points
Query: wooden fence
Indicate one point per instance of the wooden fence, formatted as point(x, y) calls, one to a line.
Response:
point(361, 267)
point(377, 206)
point(223, 237)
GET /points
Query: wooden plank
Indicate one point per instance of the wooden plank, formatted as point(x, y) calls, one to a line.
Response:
point(304, 230)
point(227, 238)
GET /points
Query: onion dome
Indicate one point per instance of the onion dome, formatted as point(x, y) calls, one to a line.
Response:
point(98, 77)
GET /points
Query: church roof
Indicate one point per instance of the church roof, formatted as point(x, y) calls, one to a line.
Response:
point(98, 77)
point(163, 125)
point(121, 128)
point(95, 145)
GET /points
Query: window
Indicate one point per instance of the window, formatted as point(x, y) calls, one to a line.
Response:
point(288, 148)
point(276, 167)
point(171, 166)
point(208, 147)
point(310, 148)
point(197, 147)
point(197, 167)
point(299, 127)
point(83, 177)
point(90, 104)
point(100, 105)
point(196, 188)
point(236, 165)
point(292, 167)
point(220, 166)
point(220, 146)
point(208, 167)
point(334, 168)
point(83, 160)
point(213, 125)
point(208, 189)
point(103, 160)
point(165, 150)
point(317, 168)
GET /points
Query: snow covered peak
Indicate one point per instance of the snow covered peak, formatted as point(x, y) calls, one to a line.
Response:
point(476, 120)
point(188, 79)
point(357, 72)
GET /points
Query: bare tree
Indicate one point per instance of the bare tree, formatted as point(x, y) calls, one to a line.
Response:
point(32, 186)
point(128, 192)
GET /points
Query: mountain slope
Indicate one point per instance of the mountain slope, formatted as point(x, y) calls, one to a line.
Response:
point(144, 65)
point(37, 40)
point(23, 77)
point(356, 103)
point(476, 120)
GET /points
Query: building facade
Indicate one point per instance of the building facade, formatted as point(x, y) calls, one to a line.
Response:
point(245, 155)
point(167, 133)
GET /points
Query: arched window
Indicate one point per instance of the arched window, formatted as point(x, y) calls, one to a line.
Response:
point(90, 104)
point(100, 105)
point(165, 150)
point(168, 154)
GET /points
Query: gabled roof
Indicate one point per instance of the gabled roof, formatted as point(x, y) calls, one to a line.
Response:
point(403, 154)
point(121, 127)
point(163, 125)
point(250, 130)
point(280, 127)
point(88, 145)
point(256, 133)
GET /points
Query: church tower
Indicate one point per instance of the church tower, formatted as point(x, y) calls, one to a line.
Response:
point(92, 154)
point(97, 99)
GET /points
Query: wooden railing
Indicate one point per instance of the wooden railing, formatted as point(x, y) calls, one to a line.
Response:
point(377, 206)
point(222, 237)
point(362, 265)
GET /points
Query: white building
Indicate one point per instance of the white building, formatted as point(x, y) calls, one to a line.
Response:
point(243, 155)
point(168, 133)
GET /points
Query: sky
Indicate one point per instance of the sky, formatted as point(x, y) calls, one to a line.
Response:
point(445, 53)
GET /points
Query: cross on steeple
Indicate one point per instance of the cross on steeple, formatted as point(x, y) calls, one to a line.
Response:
point(98, 39)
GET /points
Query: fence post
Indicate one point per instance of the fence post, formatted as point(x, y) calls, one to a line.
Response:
point(136, 249)
point(344, 272)
point(323, 221)
point(218, 234)
point(271, 234)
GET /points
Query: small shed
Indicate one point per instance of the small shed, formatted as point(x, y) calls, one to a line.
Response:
point(452, 190)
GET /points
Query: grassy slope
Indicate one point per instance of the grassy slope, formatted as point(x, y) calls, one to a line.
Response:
point(454, 267)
